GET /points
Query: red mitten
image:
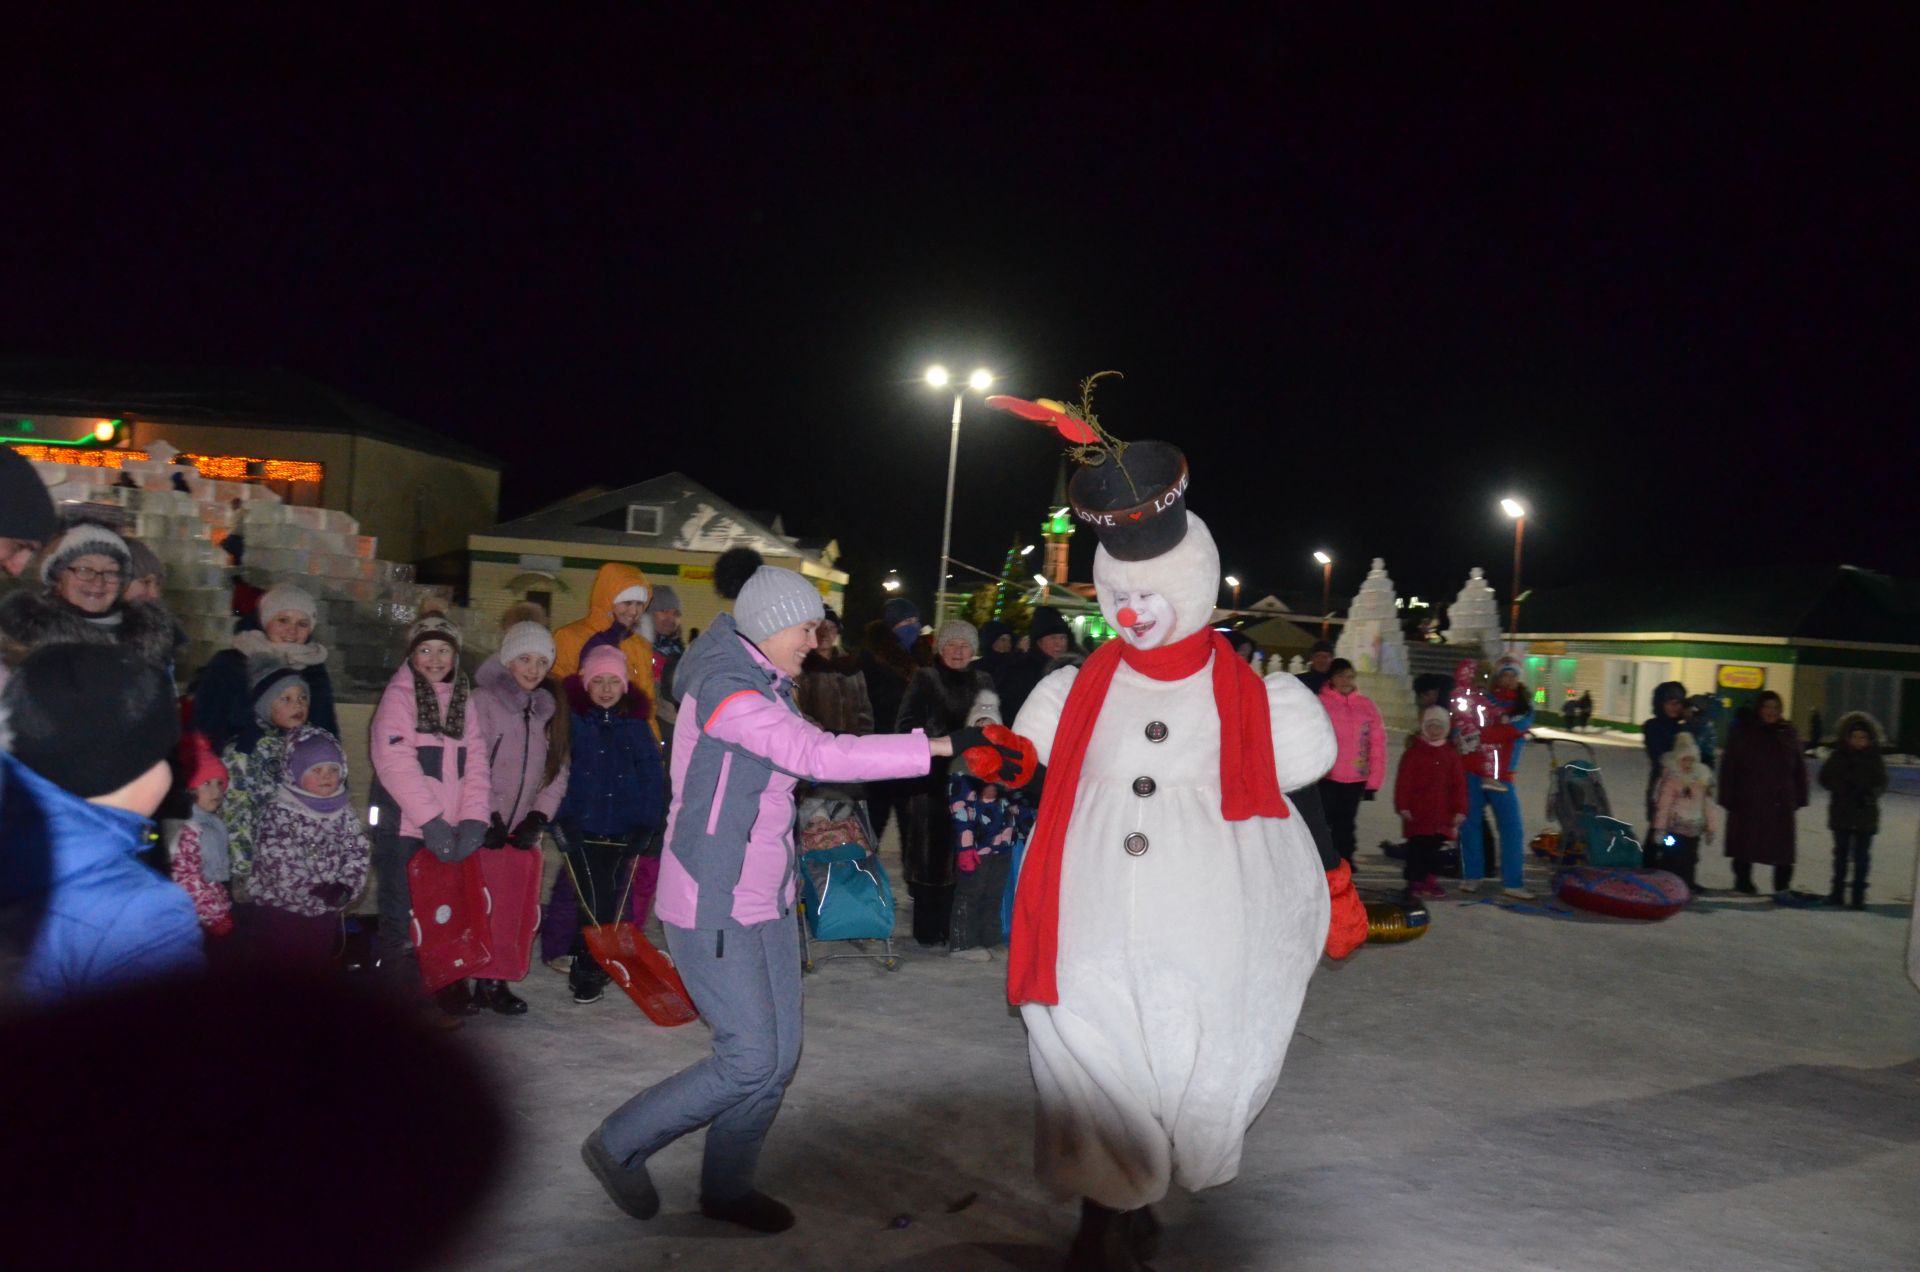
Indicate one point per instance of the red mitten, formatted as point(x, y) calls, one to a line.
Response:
point(1007, 757)
point(222, 926)
point(1347, 927)
point(967, 859)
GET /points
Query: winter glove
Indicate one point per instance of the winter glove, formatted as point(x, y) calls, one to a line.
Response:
point(1347, 927)
point(439, 839)
point(331, 895)
point(496, 836)
point(1366, 797)
point(527, 833)
point(997, 754)
point(967, 859)
point(469, 836)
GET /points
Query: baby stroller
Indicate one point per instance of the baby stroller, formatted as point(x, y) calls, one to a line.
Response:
point(1577, 802)
point(844, 892)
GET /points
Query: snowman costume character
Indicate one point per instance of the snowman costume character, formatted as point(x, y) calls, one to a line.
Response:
point(1160, 965)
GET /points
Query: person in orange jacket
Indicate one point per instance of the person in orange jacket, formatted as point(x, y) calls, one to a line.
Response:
point(614, 609)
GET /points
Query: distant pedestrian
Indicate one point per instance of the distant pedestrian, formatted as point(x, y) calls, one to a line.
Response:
point(1430, 794)
point(1763, 780)
point(831, 690)
point(1319, 666)
point(1855, 777)
point(1053, 648)
point(943, 699)
point(1682, 812)
point(661, 626)
point(1360, 763)
point(886, 664)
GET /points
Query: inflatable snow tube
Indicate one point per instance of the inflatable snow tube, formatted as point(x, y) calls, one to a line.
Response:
point(1621, 893)
point(1391, 922)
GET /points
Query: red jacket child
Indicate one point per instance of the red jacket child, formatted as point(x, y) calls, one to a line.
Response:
point(1430, 791)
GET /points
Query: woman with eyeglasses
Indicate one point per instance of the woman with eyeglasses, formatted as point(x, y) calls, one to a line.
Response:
point(84, 570)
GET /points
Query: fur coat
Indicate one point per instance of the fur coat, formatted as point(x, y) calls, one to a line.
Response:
point(939, 700)
point(31, 619)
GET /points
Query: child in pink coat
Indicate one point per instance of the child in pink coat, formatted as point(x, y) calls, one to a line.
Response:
point(1360, 766)
point(432, 786)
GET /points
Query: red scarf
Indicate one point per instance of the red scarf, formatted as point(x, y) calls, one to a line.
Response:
point(1248, 785)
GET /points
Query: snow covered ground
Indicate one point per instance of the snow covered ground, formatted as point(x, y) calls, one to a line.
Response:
point(1736, 1087)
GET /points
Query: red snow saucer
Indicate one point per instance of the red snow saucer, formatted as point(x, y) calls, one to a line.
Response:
point(1621, 894)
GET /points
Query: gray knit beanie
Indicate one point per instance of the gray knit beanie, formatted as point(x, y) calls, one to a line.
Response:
point(775, 598)
point(85, 539)
point(957, 629)
point(664, 598)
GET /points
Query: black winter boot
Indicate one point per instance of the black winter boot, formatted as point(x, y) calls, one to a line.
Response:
point(1859, 901)
point(1104, 1242)
point(496, 994)
point(456, 999)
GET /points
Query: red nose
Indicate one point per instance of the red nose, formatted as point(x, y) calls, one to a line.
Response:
point(1127, 617)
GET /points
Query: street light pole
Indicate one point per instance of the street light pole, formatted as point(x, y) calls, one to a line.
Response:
point(1326, 592)
point(980, 381)
point(946, 527)
point(1234, 583)
point(1518, 511)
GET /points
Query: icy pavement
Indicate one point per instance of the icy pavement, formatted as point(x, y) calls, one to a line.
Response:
point(1736, 1087)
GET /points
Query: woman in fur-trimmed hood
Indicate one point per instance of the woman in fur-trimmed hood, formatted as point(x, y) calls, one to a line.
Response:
point(84, 571)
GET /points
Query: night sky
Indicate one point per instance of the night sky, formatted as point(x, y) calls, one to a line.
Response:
point(1658, 277)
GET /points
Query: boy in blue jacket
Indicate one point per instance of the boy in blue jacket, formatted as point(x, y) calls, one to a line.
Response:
point(82, 913)
point(616, 799)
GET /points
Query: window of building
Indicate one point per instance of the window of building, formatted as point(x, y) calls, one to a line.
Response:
point(643, 518)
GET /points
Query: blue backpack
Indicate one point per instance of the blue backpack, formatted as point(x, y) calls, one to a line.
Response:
point(847, 894)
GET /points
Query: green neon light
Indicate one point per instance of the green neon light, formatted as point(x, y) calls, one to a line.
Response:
point(49, 441)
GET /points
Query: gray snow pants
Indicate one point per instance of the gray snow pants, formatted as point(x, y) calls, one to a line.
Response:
point(746, 983)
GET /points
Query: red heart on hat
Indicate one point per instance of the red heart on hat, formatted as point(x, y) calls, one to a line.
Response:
point(1135, 516)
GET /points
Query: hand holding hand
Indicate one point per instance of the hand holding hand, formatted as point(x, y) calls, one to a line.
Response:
point(997, 754)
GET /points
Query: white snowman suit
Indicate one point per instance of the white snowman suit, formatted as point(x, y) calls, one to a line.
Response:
point(1181, 970)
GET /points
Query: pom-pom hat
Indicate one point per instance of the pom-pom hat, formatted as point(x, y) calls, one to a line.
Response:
point(774, 599)
point(433, 626)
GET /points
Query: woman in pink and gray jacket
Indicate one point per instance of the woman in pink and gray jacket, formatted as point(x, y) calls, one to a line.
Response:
point(432, 787)
point(1360, 764)
point(726, 893)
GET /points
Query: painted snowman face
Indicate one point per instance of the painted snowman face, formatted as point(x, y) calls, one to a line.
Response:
point(1143, 618)
point(1159, 601)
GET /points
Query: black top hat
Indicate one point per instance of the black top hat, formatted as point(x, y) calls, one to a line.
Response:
point(1140, 512)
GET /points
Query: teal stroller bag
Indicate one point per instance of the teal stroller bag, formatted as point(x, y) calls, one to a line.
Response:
point(847, 894)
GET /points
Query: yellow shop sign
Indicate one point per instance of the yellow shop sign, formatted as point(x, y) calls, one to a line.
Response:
point(1732, 677)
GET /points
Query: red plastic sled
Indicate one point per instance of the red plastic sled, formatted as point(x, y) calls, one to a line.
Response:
point(449, 903)
point(643, 973)
point(512, 880)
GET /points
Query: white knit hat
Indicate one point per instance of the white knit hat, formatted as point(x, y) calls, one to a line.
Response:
point(85, 539)
point(633, 592)
point(526, 638)
point(957, 629)
point(775, 598)
point(286, 598)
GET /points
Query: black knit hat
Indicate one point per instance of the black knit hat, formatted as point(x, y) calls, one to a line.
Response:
point(91, 718)
point(26, 510)
point(1048, 621)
